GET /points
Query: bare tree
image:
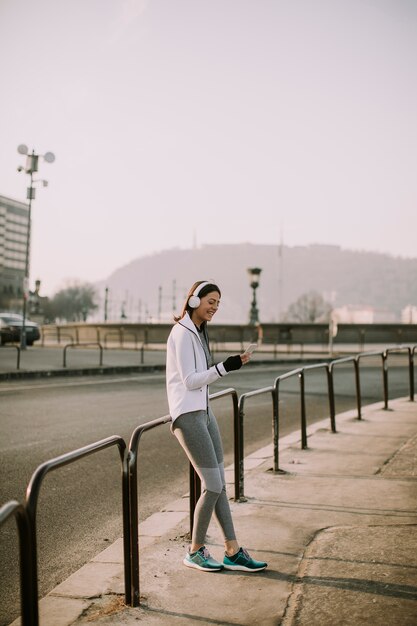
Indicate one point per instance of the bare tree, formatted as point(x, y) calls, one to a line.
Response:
point(74, 303)
point(310, 307)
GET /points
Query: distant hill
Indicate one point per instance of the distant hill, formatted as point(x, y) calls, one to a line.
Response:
point(146, 285)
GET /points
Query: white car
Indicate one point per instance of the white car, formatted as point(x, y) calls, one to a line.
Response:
point(11, 328)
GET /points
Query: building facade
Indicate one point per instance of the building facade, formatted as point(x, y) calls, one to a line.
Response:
point(360, 314)
point(14, 225)
point(409, 314)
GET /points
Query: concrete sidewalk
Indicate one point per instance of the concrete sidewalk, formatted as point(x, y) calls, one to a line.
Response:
point(338, 529)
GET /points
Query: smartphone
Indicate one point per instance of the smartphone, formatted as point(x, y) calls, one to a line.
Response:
point(251, 347)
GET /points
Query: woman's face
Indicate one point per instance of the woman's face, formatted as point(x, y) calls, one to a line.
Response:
point(207, 308)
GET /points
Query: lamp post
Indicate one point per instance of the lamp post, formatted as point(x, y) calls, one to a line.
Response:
point(30, 168)
point(254, 274)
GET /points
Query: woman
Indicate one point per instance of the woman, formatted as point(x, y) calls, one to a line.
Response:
point(189, 372)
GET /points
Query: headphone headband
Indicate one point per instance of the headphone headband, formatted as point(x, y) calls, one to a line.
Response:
point(200, 287)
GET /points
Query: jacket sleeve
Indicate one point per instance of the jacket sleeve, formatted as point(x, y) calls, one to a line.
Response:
point(186, 363)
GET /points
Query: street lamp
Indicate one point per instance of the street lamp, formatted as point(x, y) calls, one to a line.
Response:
point(30, 168)
point(254, 273)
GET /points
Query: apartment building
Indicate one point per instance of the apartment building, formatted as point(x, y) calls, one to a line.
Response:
point(14, 224)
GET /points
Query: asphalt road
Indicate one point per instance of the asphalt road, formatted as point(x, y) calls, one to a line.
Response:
point(79, 509)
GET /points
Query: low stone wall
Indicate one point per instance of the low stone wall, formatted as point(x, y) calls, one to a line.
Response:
point(136, 335)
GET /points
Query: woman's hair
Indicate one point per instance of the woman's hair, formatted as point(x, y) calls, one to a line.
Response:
point(204, 291)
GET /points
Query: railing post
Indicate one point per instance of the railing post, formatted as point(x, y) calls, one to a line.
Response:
point(195, 492)
point(358, 387)
point(303, 411)
point(28, 600)
point(132, 458)
point(411, 372)
point(126, 529)
point(275, 424)
point(236, 448)
point(385, 377)
point(330, 387)
point(134, 523)
point(239, 450)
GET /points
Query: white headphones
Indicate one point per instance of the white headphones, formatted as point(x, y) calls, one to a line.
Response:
point(194, 300)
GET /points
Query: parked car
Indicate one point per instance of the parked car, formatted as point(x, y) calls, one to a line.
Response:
point(11, 328)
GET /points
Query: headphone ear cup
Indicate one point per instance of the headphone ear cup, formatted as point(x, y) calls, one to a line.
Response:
point(194, 302)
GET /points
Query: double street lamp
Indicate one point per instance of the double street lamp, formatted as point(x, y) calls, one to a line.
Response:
point(254, 274)
point(30, 168)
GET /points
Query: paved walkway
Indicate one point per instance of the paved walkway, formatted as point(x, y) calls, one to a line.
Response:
point(338, 529)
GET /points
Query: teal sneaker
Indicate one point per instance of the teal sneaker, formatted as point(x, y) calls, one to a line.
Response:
point(243, 562)
point(202, 560)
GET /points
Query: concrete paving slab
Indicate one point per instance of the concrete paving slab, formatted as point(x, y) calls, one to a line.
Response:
point(93, 579)
point(376, 564)
point(160, 523)
point(112, 554)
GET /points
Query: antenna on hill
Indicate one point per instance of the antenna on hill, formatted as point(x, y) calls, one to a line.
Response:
point(280, 273)
point(174, 294)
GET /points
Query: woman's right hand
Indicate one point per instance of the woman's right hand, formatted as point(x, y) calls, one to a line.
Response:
point(246, 357)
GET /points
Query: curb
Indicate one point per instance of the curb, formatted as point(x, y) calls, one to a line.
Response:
point(135, 369)
point(85, 371)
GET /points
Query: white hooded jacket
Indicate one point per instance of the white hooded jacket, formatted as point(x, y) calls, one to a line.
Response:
point(187, 373)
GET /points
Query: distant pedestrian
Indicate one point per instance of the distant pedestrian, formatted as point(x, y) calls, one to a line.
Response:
point(189, 372)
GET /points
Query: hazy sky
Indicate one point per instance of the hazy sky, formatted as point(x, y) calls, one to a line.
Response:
point(215, 121)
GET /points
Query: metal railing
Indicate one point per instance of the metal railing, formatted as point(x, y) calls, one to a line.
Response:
point(274, 390)
point(32, 495)
point(82, 345)
point(122, 334)
point(26, 515)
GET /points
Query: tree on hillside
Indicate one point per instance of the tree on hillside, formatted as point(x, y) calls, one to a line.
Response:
point(73, 304)
point(310, 307)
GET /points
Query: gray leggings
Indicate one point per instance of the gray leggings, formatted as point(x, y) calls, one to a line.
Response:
point(198, 433)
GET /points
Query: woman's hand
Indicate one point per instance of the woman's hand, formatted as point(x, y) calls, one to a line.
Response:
point(246, 357)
